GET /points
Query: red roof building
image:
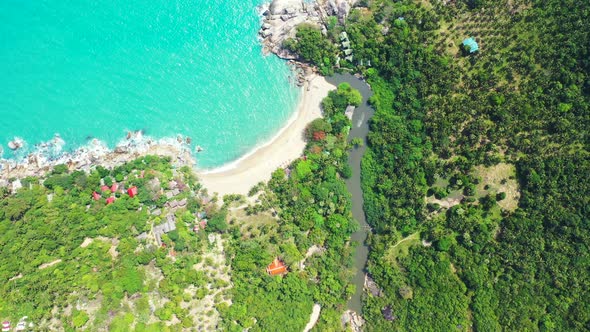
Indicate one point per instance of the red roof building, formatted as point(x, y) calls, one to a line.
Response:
point(110, 200)
point(95, 195)
point(114, 187)
point(5, 326)
point(132, 191)
point(104, 188)
point(276, 268)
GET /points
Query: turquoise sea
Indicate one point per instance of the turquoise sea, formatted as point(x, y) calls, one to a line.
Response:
point(96, 69)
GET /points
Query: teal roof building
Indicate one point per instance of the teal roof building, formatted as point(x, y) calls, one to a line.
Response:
point(473, 47)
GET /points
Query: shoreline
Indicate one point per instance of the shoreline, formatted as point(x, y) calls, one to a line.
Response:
point(235, 177)
point(96, 153)
point(286, 145)
point(231, 165)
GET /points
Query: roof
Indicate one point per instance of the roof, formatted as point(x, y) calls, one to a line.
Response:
point(110, 200)
point(473, 47)
point(276, 267)
point(166, 227)
point(105, 188)
point(95, 195)
point(114, 187)
point(132, 191)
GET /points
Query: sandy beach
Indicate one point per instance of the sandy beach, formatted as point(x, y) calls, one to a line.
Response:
point(287, 145)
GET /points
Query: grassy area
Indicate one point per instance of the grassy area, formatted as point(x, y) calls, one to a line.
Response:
point(402, 247)
point(497, 179)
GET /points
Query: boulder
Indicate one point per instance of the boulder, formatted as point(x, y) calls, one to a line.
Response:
point(279, 7)
point(343, 9)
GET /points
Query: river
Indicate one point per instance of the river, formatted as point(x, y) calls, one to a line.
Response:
point(360, 129)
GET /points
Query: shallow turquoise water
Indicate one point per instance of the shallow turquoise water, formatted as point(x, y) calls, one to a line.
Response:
point(100, 68)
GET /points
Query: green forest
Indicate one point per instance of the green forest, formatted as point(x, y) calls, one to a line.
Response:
point(476, 181)
point(71, 260)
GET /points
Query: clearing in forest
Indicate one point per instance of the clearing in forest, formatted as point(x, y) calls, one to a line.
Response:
point(497, 179)
point(402, 247)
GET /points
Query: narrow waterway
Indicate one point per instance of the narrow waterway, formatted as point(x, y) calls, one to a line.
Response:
point(360, 129)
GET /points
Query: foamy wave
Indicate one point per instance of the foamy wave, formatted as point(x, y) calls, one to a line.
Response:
point(50, 153)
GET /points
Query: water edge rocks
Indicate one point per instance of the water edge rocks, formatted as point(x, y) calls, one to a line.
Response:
point(283, 16)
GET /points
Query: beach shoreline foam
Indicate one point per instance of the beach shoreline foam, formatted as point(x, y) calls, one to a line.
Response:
point(236, 177)
point(287, 145)
point(96, 153)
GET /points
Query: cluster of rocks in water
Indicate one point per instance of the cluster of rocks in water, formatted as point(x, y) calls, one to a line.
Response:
point(281, 18)
point(96, 152)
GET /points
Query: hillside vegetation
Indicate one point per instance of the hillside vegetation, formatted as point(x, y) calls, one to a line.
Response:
point(485, 155)
point(71, 262)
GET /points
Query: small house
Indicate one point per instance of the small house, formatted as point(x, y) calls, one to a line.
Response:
point(132, 191)
point(470, 45)
point(114, 187)
point(110, 200)
point(5, 326)
point(104, 188)
point(343, 36)
point(164, 228)
point(95, 196)
point(277, 267)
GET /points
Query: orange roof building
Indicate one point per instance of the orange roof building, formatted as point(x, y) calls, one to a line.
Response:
point(132, 191)
point(277, 267)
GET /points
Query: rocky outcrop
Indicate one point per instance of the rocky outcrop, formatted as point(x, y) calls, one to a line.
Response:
point(353, 320)
point(281, 17)
point(372, 287)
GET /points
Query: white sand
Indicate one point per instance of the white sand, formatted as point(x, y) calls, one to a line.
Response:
point(286, 146)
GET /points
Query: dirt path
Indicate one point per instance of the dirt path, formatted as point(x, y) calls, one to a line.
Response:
point(414, 236)
point(315, 315)
point(46, 265)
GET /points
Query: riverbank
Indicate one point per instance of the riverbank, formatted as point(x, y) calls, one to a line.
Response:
point(287, 145)
point(360, 129)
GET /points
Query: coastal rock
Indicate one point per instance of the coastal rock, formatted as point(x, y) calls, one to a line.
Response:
point(278, 7)
point(16, 144)
point(121, 149)
point(343, 9)
point(281, 19)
